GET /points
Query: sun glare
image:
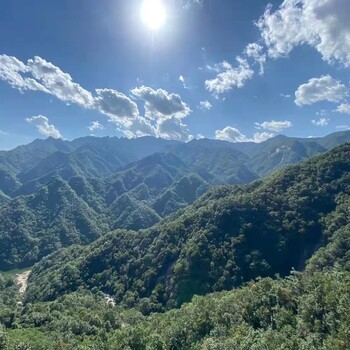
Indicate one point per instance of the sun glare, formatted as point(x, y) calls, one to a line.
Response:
point(153, 14)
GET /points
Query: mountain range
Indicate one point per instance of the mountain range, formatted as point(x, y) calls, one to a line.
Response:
point(26, 168)
point(57, 193)
point(233, 233)
point(246, 266)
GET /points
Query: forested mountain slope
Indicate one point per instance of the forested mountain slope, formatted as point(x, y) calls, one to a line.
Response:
point(135, 196)
point(3, 198)
point(281, 151)
point(77, 211)
point(308, 310)
point(26, 168)
point(230, 236)
point(37, 162)
point(34, 226)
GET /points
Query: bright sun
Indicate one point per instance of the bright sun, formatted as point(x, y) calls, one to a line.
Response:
point(153, 13)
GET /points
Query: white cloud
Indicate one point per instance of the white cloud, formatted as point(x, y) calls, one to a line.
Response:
point(286, 95)
point(183, 81)
point(256, 51)
point(261, 137)
point(173, 129)
point(322, 112)
point(229, 77)
point(344, 108)
point(232, 134)
point(324, 88)
point(139, 127)
point(58, 83)
point(43, 126)
point(205, 106)
point(96, 125)
point(276, 126)
point(163, 110)
point(320, 122)
point(160, 103)
point(343, 127)
point(189, 3)
point(13, 72)
point(40, 75)
point(119, 107)
point(3, 132)
point(163, 114)
point(322, 24)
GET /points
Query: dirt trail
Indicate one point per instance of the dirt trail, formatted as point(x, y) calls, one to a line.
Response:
point(21, 280)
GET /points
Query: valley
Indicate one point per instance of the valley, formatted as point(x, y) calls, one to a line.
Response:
point(58, 198)
point(262, 248)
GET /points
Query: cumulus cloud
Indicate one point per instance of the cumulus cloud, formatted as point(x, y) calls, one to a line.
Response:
point(205, 106)
point(167, 128)
point(320, 122)
point(322, 24)
point(229, 77)
point(276, 126)
point(43, 126)
point(344, 108)
point(58, 83)
point(173, 129)
point(324, 88)
point(163, 110)
point(139, 127)
point(13, 72)
point(40, 75)
point(96, 125)
point(259, 137)
point(160, 103)
point(232, 134)
point(119, 107)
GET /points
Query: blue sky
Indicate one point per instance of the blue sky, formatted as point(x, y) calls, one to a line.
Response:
point(242, 70)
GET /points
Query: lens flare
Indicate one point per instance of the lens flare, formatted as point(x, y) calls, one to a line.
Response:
point(153, 14)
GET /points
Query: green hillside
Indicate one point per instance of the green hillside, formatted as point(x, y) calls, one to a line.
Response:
point(26, 168)
point(229, 236)
point(234, 234)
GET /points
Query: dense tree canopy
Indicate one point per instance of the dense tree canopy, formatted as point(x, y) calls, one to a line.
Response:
point(104, 184)
point(234, 234)
point(258, 266)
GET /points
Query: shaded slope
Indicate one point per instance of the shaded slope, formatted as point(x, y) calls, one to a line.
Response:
point(125, 200)
point(54, 217)
point(3, 198)
point(229, 236)
point(217, 161)
point(24, 168)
